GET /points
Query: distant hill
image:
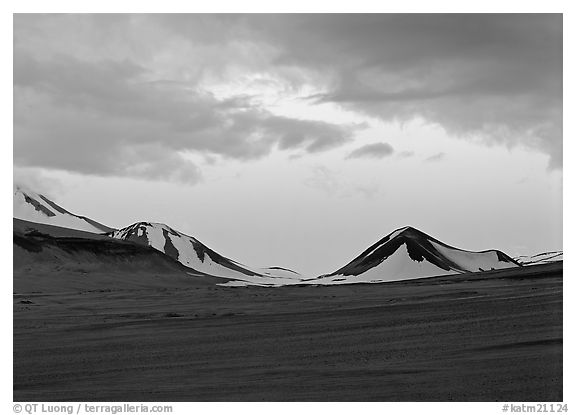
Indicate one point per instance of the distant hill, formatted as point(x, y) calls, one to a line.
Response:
point(194, 254)
point(409, 253)
point(39, 245)
point(35, 207)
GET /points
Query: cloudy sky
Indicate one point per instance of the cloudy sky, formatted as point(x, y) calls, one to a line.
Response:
point(297, 140)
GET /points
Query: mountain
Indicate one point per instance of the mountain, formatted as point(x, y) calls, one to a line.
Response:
point(37, 244)
point(409, 253)
point(543, 258)
point(404, 254)
point(35, 207)
point(49, 258)
point(195, 255)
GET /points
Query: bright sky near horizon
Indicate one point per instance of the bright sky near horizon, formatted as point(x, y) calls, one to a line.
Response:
point(297, 141)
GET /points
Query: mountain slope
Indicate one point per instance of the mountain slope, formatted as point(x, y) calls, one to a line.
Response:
point(37, 245)
point(543, 258)
point(409, 253)
point(52, 259)
point(197, 256)
point(35, 207)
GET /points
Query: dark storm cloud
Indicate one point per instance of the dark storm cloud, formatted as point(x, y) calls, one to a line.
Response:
point(497, 77)
point(107, 118)
point(124, 95)
point(375, 151)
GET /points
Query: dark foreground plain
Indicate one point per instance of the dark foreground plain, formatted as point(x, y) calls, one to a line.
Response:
point(494, 336)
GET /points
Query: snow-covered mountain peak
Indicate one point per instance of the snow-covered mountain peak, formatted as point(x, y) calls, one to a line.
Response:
point(195, 255)
point(410, 253)
point(36, 207)
point(142, 227)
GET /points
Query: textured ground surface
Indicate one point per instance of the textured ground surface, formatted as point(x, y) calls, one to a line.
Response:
point(146, 337)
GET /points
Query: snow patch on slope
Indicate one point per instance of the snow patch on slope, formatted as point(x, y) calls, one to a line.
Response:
point(543, 258)
point(472, 261)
